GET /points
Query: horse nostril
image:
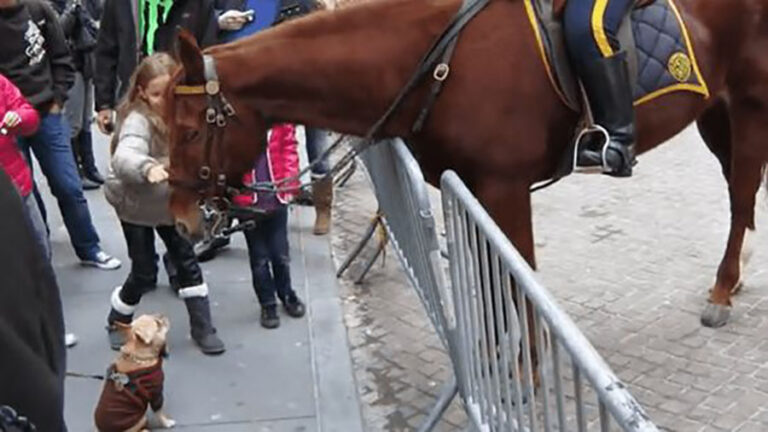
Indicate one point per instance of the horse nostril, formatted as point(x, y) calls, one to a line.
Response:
point(182, 229)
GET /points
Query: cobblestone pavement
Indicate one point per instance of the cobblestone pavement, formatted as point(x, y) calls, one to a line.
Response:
point(630, 260)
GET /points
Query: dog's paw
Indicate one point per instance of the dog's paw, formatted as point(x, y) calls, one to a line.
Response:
point(168, 423)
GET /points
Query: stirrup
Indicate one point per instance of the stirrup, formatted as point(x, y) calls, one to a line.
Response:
point(603, 168)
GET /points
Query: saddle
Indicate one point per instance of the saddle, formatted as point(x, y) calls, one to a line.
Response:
point(660, 54)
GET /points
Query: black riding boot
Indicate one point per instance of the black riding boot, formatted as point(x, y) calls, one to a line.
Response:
point(609, 90)
point(201, 325)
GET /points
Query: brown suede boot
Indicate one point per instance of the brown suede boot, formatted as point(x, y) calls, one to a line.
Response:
point(322, 195)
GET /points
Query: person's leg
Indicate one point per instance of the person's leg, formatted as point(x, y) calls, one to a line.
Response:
point(51, 148)
point(38, 225)
point(322, 186)
point(279, 256)
point(590, 30)
point(75, 109)
point(317, 143)
point(142, 278)
point(25, 147)
point(263, 283)
point(90, 171)
point(41, 236)
point(193, 290)
point(75, 104)
point(173, 274)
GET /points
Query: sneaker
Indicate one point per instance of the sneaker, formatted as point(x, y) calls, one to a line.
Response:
point(294, 307)
point(103, 261)
point(269, 317)
point(70, 340)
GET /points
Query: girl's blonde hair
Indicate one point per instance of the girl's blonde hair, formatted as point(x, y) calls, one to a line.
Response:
point(150, 68)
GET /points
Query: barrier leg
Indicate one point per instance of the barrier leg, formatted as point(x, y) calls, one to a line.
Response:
point(342, 179)
point(369, 264)
point(446, 396)
point(360, 246)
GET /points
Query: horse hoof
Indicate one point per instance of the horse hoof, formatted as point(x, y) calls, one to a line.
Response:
point(715, 315)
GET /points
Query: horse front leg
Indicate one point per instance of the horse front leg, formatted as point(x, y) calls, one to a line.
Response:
point(510, 207)
point(747, 158)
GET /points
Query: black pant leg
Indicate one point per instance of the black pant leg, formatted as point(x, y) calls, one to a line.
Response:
point(141, 249)
point(182, 255)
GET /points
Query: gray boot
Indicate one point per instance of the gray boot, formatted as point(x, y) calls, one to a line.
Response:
point(200, 323)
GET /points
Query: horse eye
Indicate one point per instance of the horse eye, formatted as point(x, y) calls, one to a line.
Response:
point(190, 135)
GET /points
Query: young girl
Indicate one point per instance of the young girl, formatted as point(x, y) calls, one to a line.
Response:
point(268, 241)
point(137, 187)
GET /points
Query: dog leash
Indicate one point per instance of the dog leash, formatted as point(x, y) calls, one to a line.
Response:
point(81, 375)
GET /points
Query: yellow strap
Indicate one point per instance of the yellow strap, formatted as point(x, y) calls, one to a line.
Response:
point(189, 90)
point(598, 30)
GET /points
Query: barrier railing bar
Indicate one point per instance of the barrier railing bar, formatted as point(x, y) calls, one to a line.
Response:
point(622, 406)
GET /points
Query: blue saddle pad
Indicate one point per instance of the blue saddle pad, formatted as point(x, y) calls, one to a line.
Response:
point(658, 41)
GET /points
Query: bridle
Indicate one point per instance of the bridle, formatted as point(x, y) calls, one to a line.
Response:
point(211, 184)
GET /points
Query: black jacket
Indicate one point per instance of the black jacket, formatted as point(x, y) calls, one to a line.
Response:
point(34, 54)
point(32, 353)
point(118, 52)
point(80, 22)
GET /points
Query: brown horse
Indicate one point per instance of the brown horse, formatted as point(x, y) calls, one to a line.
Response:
point(498, 121)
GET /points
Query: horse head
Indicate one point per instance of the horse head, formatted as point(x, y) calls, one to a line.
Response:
point(214, 138)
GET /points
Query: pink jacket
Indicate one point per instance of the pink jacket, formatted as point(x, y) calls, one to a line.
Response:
point(11, 159)
point(281, 161)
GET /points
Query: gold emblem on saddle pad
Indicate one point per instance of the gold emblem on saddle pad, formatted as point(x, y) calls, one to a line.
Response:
point(679, 66)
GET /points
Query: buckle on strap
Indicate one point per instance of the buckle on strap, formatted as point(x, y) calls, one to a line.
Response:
point(119, 379)
point(209, 68)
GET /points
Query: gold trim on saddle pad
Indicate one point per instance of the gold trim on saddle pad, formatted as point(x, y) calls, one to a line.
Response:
point(680, 65)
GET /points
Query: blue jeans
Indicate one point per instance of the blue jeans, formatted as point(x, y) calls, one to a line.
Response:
point(587, 42)
point(268, 247)
point(51, 147)
point(317, 142)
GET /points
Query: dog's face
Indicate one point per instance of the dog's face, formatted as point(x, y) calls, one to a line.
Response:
point(146, 336)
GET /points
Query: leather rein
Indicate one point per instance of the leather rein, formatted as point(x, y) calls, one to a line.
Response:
point(213, 182)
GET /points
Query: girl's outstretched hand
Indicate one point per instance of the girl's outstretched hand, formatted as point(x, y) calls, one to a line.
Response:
point(157, 174)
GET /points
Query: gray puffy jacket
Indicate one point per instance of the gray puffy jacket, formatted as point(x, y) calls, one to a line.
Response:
point(135, 199)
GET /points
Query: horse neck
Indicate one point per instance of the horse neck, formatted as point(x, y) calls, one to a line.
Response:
point(337, 70)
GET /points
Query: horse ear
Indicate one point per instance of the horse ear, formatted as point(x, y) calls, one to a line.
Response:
point(189, 55)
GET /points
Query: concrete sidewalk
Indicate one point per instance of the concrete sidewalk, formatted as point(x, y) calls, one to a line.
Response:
point(295, 378)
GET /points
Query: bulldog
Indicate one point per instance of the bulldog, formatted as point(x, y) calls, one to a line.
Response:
point(134, 381)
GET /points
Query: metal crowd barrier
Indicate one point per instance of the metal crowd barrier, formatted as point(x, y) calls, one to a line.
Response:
point(520, 368)
point(500, 353)
point(405, 214)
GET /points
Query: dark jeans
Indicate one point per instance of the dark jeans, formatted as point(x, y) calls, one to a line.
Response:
point(51, 147)
point(141, 249)
point(317, 142)
point(270, 258)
